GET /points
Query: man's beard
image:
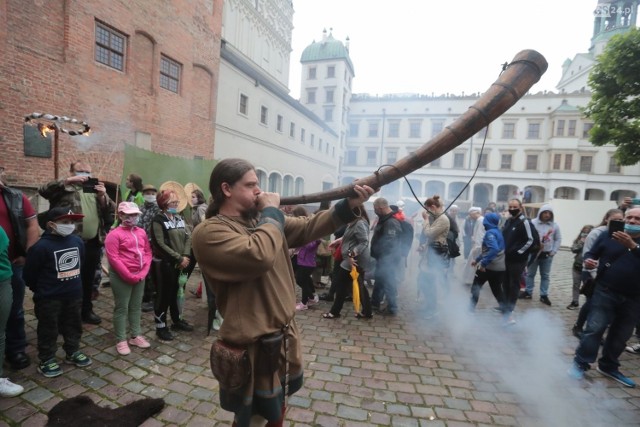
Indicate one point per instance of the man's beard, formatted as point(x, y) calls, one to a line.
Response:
point(250, 214)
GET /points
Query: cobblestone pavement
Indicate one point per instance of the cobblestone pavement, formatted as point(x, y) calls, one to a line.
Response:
point(456, 369)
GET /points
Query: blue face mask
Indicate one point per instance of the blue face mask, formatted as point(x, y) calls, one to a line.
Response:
point(632, 228)
point(172, 210)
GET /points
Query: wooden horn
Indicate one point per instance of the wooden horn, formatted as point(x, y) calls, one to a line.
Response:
point(523, 72)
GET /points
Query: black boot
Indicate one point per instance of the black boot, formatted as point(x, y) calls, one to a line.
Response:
point(164, 334)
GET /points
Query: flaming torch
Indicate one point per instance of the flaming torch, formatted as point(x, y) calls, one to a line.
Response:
point(47, 123)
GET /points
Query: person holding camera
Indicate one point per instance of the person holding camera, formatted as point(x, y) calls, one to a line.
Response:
point(616, 300)
point(434, 260)
point(82, 194)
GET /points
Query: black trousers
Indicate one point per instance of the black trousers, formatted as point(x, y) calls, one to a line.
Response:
point(58, 317)
point(92, 255)
point(511, 283)
point(495, 279)
point(165, 277)
point(344, 284)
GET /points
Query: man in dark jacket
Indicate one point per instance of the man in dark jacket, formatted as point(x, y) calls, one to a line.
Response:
point(518, 240)
point(385, 248)
point(18, 219)
point(616, 300)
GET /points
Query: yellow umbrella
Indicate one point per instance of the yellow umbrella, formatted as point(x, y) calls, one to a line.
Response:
point(356, 289)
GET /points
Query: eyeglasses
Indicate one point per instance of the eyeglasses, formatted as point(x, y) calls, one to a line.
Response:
point(173, 204)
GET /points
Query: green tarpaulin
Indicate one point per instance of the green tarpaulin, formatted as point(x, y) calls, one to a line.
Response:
point(157, 168)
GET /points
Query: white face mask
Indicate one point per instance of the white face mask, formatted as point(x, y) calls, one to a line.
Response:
point(149, 198)
point(65, 229)
point(83, 173)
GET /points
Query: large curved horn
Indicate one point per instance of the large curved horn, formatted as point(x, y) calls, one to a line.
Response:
point(523, 72)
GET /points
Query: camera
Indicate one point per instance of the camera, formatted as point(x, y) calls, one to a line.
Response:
point(89, 185)
point(615, 225)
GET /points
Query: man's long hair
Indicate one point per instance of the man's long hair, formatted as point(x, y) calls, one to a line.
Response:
point(229, 171)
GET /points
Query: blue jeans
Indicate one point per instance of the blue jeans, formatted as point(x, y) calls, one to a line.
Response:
point(608, 309)
point(545, 270)
point(386, 278)
point(16, 337)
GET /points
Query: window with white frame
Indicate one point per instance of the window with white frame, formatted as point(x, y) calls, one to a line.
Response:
point(243, 107)
point(264, 115)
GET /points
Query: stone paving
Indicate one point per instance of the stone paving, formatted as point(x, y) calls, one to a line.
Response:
point(457, 369)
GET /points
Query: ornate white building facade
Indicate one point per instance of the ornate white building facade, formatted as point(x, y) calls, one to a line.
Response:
point(294, 151)
point(541, 142)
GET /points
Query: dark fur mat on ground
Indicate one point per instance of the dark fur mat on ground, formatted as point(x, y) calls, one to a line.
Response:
point(81, 411)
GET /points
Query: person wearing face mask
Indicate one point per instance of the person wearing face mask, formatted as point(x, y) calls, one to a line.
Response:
point(129, 254)
point(53, 272)
point(148, 211)
point(519, 238)
point(615, 303)
point(171, 245)
point(98, 215)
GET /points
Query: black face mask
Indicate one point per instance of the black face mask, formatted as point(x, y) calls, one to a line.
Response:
point(514, 212)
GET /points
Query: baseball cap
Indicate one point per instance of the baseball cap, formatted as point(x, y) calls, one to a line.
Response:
point(57, 214)
point(128, 208)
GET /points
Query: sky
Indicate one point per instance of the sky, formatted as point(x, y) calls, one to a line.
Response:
point(447, 46)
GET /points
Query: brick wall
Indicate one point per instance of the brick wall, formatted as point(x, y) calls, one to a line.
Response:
point(48, 65)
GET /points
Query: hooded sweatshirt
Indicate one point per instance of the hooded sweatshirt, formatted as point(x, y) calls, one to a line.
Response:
point(52, 268)
point(549, 231)
point(492, 255)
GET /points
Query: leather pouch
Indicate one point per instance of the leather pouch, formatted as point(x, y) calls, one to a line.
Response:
point(268, 356)
point(230, 366)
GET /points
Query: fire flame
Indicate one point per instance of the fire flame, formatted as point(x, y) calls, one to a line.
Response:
point(44, 129)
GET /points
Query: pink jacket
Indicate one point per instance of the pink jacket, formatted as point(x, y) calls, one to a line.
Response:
point(129, 253)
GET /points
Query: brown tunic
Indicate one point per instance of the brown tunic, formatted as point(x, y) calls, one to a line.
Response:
point(247, 265)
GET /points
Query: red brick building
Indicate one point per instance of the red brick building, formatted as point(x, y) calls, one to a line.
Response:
point(141, 72)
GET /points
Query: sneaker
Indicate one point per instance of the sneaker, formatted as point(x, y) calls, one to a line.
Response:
point(545, 300)
point(123, 348)
point(50, 368)
point(313, 300)
point(617, 376)
point(140, 342)
point(497, 309)
point(9, 389)
point(164, 334)
point(575, 372)
point(635, 349)
point(182, 325)
point(510, 320)
point(573, 306)
point(524, 295)
point(301, 306)
point(79, 359)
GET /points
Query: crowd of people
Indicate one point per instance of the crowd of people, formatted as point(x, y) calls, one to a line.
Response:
point(144, 240)
point(252, 252)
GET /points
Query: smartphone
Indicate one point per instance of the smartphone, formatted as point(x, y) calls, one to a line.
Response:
point(635, 202)
point(615, 225)
point(89, 185)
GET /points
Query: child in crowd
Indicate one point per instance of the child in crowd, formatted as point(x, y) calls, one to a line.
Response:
point(7, 388)
point(129, 254)
point(52, 272)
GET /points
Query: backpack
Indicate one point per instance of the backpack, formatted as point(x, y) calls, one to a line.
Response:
point(452, 246)
point(406, 238)
point(536, 245)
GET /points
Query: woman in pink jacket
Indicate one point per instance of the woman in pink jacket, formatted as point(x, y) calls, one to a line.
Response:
point(129, 253)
